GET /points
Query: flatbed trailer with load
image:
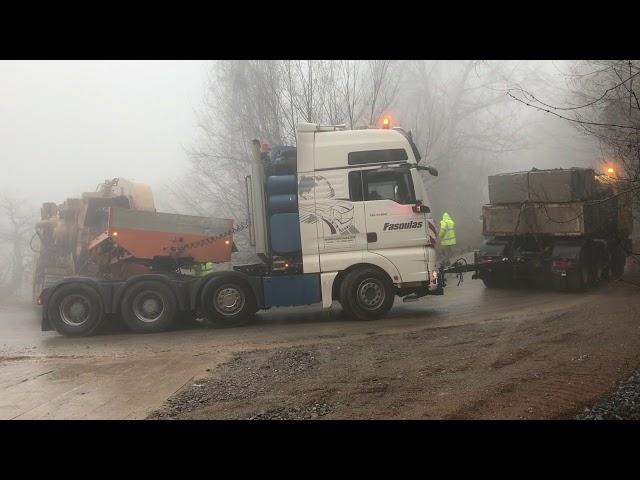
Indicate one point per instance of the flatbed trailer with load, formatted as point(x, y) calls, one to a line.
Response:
point(567, 229)
point(342, 216)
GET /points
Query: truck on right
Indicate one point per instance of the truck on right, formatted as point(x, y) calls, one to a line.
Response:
point(567, 229)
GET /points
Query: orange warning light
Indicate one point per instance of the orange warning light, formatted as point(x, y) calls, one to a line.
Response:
point(386, 122)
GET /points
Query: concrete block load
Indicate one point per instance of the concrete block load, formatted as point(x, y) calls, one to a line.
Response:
point(559, 202)
point(565, 228)
point(557, 185)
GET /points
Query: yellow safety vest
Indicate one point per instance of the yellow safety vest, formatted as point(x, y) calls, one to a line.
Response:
point(447, 230)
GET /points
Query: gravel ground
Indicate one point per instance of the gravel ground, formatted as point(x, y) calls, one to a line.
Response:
point(522, 362)
point(623, 404)
point(245, 377)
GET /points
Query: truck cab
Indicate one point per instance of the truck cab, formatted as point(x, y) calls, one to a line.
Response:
point(347, 202)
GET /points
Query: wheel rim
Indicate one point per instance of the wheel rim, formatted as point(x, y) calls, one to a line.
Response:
point(371, 294)
point(148, 306)
point(228, 300)
point(75, 310)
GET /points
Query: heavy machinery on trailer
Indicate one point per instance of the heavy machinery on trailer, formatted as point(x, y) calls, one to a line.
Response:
point(65, 230)
point(564, 228)
point(343, 216)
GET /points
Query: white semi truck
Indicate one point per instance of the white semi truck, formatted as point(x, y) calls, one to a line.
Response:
point(343, 216)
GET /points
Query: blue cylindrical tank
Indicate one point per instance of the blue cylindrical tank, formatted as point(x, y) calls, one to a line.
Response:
point(282, 184)
point(285, 233)
point(284, 203)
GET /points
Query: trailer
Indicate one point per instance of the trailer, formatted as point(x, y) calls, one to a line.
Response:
point(65, 230)
point(342, 216)
point(568, 229)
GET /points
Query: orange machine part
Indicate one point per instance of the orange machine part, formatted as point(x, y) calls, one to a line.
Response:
point(147, 244)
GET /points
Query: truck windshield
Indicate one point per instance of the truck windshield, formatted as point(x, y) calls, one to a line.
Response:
point(393, 185)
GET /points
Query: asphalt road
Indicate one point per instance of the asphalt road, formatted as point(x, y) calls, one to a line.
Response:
point(121, 375)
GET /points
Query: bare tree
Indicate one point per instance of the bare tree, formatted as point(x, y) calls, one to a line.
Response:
point(602, 101)
point(266, 100)
point(383, 88)
point(463, 125)
point(16, 228)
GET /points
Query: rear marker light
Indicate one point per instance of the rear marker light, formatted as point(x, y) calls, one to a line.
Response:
point(563, 264)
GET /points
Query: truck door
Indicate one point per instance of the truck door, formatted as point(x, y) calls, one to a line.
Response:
point(337, 217)
point(393, 229)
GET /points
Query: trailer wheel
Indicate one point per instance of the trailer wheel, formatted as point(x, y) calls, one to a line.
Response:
point(559, 282)
point(494, 280)
point(366, 294)
point(226, 301)
point(148, 307)
point(599, 274)
point(618, 261)
point(578, 279)
point(75, 310)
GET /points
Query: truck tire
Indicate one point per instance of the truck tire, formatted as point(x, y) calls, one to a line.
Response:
point(226, 301)
point(494, 280)
point(148, 307)
point(618, 261)
point(75, 310)
point(559, 282)
point(599, 274)
point(366, 294)
point(579, 278)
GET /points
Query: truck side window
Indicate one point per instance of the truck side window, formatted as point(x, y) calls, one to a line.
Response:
point(393, 185)
point(355, 186)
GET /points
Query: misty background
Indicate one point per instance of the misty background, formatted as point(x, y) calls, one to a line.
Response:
point(184, 128)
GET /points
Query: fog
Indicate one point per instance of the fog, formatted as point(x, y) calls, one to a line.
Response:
point(66, 126)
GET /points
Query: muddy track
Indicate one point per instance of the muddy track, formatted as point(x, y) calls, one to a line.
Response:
point(534, 365)
point(472, 353)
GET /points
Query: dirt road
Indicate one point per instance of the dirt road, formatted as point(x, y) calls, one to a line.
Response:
point(473, 353)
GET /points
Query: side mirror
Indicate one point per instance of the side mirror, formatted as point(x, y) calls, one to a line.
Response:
point(420, 208)
point(431, 170)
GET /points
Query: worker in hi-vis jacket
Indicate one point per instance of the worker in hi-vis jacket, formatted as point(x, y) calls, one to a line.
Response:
point(447, 236)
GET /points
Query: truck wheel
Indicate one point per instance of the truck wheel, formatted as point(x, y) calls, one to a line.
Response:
point(578, 278)
point(75, 310)
point(494, 280)
point(598, 268)
point(618, 261)
point(366, 294)
point(226, 301)
point(559, 282)
point(148, 307)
